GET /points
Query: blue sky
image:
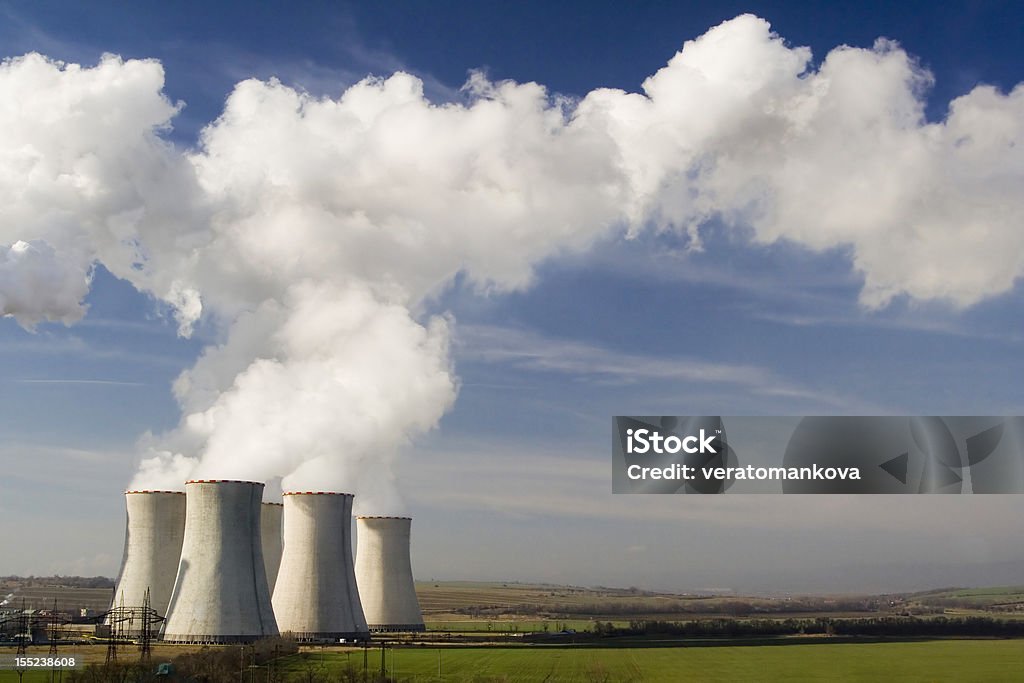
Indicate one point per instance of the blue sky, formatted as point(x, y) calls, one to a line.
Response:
point(513, 483)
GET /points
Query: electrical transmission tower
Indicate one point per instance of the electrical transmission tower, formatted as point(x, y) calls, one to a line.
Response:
point(146, 641)
point(24, 631)
point(52, 631)
point(114, 617)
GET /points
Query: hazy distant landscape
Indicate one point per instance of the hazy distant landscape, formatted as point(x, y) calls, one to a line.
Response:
point(469, 605)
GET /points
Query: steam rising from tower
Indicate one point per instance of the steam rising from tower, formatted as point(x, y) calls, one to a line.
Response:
point(220, 594)
point(384, 574)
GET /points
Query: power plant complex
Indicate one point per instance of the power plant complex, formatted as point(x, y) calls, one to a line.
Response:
point(220, 565)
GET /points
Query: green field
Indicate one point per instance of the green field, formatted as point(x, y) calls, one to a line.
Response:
point(1007, 601)
point(952, 660)
point(1002, 594)
point(935, 660)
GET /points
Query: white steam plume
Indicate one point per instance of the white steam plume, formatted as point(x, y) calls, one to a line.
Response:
point(84, 178)
point(311, 229)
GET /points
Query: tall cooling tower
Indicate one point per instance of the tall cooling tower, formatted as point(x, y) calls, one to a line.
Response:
point(152, 547)
point(384, 574)
point(270, 532)
point(315, 598)
point(220, 594)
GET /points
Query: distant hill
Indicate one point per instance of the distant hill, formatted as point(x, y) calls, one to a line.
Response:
point(61, 581)
point(993, 598)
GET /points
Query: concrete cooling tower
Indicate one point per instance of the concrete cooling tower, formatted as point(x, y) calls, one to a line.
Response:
point(384, 574)
point(152, 547)
point(270, 533)
point(315, 598)
point(220, 594)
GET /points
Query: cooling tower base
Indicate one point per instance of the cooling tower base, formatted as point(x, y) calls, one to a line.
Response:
point(393, 628)
point(220, 639)
point(327, 637)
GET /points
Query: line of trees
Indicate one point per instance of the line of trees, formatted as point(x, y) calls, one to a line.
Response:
point(730, 607)
point(875, 626)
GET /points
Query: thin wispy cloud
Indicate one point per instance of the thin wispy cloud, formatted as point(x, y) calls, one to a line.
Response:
point(60, 381)
point(72, 346)
point(803, 278)
point(530, 351)
point(23, 34)
point(152, 326)
point(937, 326)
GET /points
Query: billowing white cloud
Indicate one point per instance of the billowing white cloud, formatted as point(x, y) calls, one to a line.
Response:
point(384, 187)
point(85, 177)
point(311, 230)
point(740, 127)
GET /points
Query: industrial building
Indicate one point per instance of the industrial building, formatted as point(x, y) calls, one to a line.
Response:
point(154, 530)
point(315, 598)
point(221, 593)
point(384, 574)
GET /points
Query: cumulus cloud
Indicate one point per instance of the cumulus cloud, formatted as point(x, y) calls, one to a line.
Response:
point(384, 187)
point(741, 128)
point(84, 178)
point(311, 230)
point(37, 283)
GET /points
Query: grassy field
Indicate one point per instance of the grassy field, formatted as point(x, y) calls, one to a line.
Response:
point(996, 595)
point(953, 660)
point(935, 660)
point(1007, 601)
point(90, 654)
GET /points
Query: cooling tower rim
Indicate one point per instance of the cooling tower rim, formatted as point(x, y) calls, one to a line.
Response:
point(224, 481)
point(317, 493)
point(382, 517)
point(178, 493)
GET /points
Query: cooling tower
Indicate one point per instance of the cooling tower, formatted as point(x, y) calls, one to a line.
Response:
point(152, 547)
point(315, 598)
point(220, 594)
point(384, 574)
point(270, 532)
